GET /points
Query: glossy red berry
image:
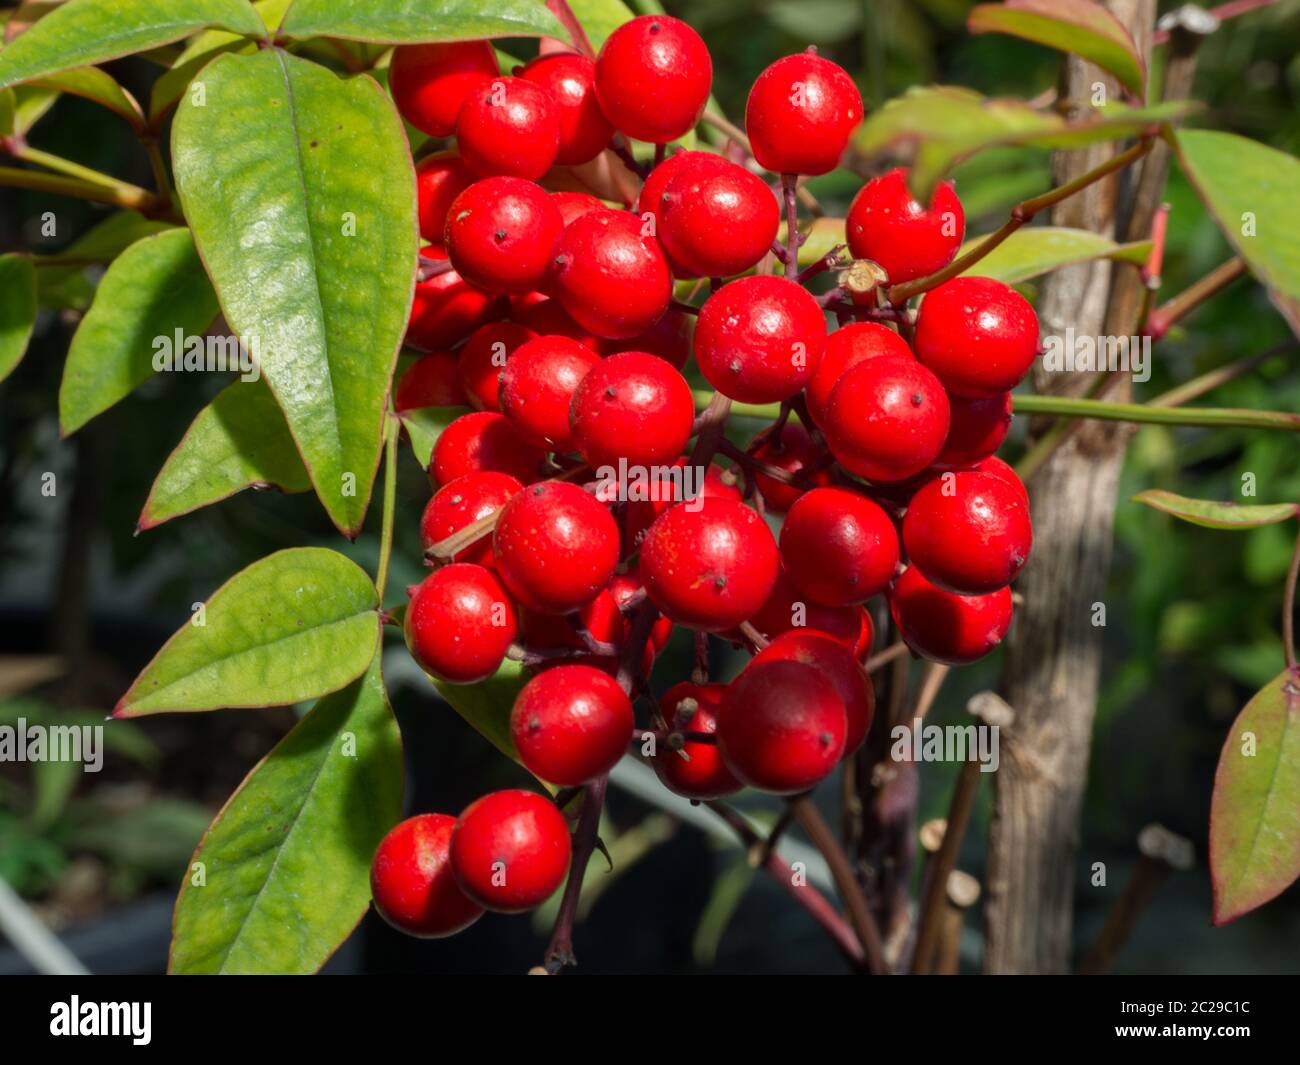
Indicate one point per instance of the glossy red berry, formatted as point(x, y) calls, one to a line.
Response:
point(570, 724)
point(483, 360)
point(446, 309)
point(500, 233)
point(797, 454)
point(439, 179)
point(838, 547)
point(995, 467)
point(460, 623)
point(954, 629)
point(462, 502)
point(976, 429)
point(653, 77)
point(759, 339)
point(556, 547)
point(781, 726)
point(800, 113)
point(430, 82)
point(547, 317)
point(570, 81)
point(716, 218)
point(837, 664)
point(845, 348)
point(538, 385)
point(650, 200)
point(610, 276)
point(788, 610)
point(669, 338)
point(575, 204)
point(509, 126)
point(978, 335)
point(708, 564)
point(664, 489)
point(968, 532)
point(632, 407)
point(696, 769)
point(430, 381)
point(887, 419)
point(483, 440)
point(510, 850)
point(886, 225)
point(411, 880)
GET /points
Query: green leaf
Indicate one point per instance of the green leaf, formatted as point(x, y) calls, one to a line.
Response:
point(1255, 811)
point(156, 287)
point(67, 287)
point(600, 18)
point(1078, 27)
point(8, 105)
point(1250, 190)
point(295, 625)
point(239, 440)
point(1031, 252)
point(17, 309)
point(286, 864)
point(945, 125)
point(301, 193)
point(84, 32)
point(1214, 515)
point(30, 105)
point(406, 21)
point(93, 84)
point(424, 425)
point(487, 705)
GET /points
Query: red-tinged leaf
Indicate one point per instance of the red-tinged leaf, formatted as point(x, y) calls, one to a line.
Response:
point(1255, 812)
point(1215, 515)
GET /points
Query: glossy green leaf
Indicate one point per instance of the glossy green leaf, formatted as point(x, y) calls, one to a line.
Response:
point(239, 440)
point(295, 625)
point(17, 309)
point(424, 425)
point(487, 705)
point(1032, 252)
point(93, 84)
point(30, 105)
point(68, 287)
point(1255, 811)
point(85, 32)
point(301, 193)
point(1214, 515)
point(282, 876)
point(406, 21)
point(945, 125)
point(1078, 27)
point(1250, 189)
point(154, 288)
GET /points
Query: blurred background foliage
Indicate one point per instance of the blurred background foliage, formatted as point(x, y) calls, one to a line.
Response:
point(1191, 616)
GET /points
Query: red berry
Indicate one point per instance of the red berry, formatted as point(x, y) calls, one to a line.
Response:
point(976, 430)
point(538, 385)
point(460, 623)
point(968, 532)
point(845, 348)
point(887, 419)
point(575, 204)
point(665, 489)
point(483, 440)
point(546, 317)
point(701, 774)
point(716, 218)
point(708, 564)
point(838, 547)
point(653, 77)
point(669, 338)
point(411, 881)
point(439, 179)
point(781, 726)
point(446, 309)
point(837, 664)
point(509, 126)
point(430, 381)
point(570, 724)
point(800, 113)
point(955, 629)
point(556, 547)
point(886, 225)
point(798, 455)
point(610, 276)
point(759, 339)
point(650, 200)
point(462, 502)
point(978, 335)
point(789, 610)
point(500, 233)
point(997, 468)
point(483, 360)
point(632, 406)
point(429, 82)
point(510, 850)
point(570, 81)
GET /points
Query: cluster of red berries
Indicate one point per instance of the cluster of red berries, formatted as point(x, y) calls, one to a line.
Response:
point(554, 319)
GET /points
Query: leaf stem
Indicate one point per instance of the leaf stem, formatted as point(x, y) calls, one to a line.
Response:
point(1146, 414)
point(1160, 320)
point(390, 503)
point(119, 193)
point(1288, 608)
